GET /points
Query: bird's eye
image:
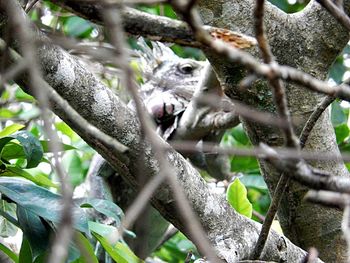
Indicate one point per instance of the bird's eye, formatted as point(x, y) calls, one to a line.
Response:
point(186, 68)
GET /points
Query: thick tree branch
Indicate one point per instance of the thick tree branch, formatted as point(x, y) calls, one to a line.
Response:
point(154, 27)
point(309, 41)
point(96, 103)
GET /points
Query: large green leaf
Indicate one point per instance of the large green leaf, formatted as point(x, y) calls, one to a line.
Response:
point(120, 252)
point(40, 201)
point(34, 230)
point(237, 197)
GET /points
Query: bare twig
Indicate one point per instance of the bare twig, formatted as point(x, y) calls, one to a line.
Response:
point(195, 229)
point(21, 24)
point(313, 119)
point(71, 113)
point(84, 124)
point(287, 154)
point(328, 198)
point(291, 140)
point(171, 231)
point(13, 71)
point(337, 11)
point(168, 30)
point(306, 175)
point(30, 5)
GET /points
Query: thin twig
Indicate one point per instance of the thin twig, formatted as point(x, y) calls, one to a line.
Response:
point(287, 154)
point(196, 231)
point(25, 35)
point(327, 198)
point(291, 140)
point(313, 119)
point(284, 179)
point(30, 5)
point(337, 12)
point(171, 231)
point(169, 30)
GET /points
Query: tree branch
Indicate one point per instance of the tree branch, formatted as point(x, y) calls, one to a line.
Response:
point(96, 103)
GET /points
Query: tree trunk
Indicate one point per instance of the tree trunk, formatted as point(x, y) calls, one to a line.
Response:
point(310, 41)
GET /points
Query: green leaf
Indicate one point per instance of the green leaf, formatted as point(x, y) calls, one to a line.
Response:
point(7, 114)
point(255, 181)
point(9, 253)
point(248, 165)
point(86, 250)
point(338, 116)
point(34, 230)
point(237, 197)
point(37, 200)
point(8, 222)
point(30, 114)
point(25, 254)
point(341, 132)
point(66, 130)
point(239, 134)
point(22, 96)
point(73, 166)
point(105, 207)
point(337, 70)
point(77, 27)
point(109, 232)
point(120, 252)
point(63, 146)
point(36, 177)
point(15, 151)
point(176, 249)
point(32, 148)
point(11, 129)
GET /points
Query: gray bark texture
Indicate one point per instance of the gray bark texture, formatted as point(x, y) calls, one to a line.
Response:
point(309, 41)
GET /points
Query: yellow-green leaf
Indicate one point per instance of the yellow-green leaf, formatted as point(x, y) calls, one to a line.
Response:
point(237, 197)
point(11, 129)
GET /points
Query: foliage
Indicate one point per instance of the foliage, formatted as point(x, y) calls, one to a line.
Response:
point(176, 249)
point(237, 197)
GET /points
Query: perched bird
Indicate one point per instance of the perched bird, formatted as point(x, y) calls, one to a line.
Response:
point(170, 82)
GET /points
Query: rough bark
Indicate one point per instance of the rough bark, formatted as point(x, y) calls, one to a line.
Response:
point(233, 235)
point(310, 41)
